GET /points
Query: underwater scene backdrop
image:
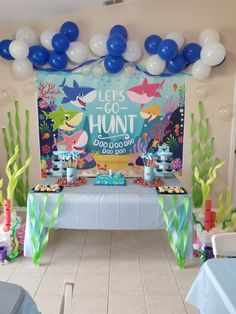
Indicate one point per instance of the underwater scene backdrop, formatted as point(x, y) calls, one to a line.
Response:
point(109, 120)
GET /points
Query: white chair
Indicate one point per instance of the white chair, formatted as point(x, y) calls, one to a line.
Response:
point(66, 302)
point(224, 244)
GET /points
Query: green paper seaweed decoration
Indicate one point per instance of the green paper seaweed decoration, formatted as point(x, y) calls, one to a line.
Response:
point(14, 173)
point(177, 236)
point(225, 207)
point(201, 151)
point(1, 195)
point(206, 182)
point(37, 219)
point(10, 141)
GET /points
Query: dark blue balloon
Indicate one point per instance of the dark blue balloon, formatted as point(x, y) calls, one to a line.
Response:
point(58, 61)
point(152, 43)
point(4, 49)
point(168, 49)
point(60, 42)
point(176, 65)
point(116, 45)
point(38, 55)
point(192, 52)
point(113, 64)
point(119, 29)
point(70, 30)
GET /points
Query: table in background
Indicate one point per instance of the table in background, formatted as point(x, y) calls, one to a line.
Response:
point(15, 300)
point(213, 291)
point(130, 207)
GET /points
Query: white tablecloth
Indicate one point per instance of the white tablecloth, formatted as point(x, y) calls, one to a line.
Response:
point(213, 291)
point(130, 207)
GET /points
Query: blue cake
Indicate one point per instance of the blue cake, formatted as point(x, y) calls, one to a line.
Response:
point(116, 178)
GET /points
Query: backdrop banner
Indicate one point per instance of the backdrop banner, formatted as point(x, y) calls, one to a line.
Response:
point(109, 119)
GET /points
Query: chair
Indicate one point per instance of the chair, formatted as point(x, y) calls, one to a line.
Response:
point(224, 244)
point(66, 303)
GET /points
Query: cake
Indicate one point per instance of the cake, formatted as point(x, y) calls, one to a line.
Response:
point(116, 178)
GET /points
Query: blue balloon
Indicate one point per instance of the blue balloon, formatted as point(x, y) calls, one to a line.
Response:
point(4, 49)
point(38, 55)
point(60, 42)
point(192, 52)
point(119, 29)
point(70, 30)
point(58, 61)
point(168, 49)
point(113, 64)
point(116, 45)
point(152, 43)
point(176, 65)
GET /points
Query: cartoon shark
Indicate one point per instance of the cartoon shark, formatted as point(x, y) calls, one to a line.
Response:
point(150, 113)
point(145, 92)
point(79, 96)
point(64, 119)
point(74, 142)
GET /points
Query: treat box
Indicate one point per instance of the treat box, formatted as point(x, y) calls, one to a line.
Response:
point(166, 193)
point(58, 191)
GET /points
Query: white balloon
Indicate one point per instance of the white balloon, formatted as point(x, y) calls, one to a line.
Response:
point(224, 112)
point(208, 35)
point(98, 44)
point(155, 65)
point(133, 51)
point(19, 49)
point(213, 53)
point(129, 70)
point(77, 52)
point(46, 39)
point(177, 37)
point(200, 70)
point(98, 70)
point(22, 68)
point(27, 35)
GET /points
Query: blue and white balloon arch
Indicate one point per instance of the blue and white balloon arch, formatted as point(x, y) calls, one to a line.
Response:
point(56, 49)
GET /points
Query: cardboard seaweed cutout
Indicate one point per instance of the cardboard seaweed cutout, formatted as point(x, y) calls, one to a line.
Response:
point(109, 120)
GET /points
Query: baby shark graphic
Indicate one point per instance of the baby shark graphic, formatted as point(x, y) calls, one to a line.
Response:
point(150, 113)
point(145, 92)
point(64, 119)
point(79, 96)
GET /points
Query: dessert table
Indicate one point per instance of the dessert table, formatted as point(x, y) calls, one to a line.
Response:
point(213, 290)
point(130, 207)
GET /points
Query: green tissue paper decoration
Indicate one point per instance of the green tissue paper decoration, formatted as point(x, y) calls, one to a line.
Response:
point(201, 151)
point(10, 141)
point(14, 173)
point(225, 207)
point(206, 181)
point(177, 233)
point(40, 231)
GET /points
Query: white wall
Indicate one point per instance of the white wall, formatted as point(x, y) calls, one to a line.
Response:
point(142, 19)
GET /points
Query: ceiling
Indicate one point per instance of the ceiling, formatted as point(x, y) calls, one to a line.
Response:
point(28, 10)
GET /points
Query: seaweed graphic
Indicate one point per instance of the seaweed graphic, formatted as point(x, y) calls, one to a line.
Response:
point(44, 127)
point(181, 98)
point(40, 234)
point(172, 142)
point(12, 140)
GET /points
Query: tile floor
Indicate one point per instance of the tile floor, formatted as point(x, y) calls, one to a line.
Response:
point(115, 272)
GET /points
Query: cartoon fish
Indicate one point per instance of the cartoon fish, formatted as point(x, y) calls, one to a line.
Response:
point(79, 96)
point(74, 142)
point(150, 113)
point(64, 119)
point(175, 87)
point(145, 92)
